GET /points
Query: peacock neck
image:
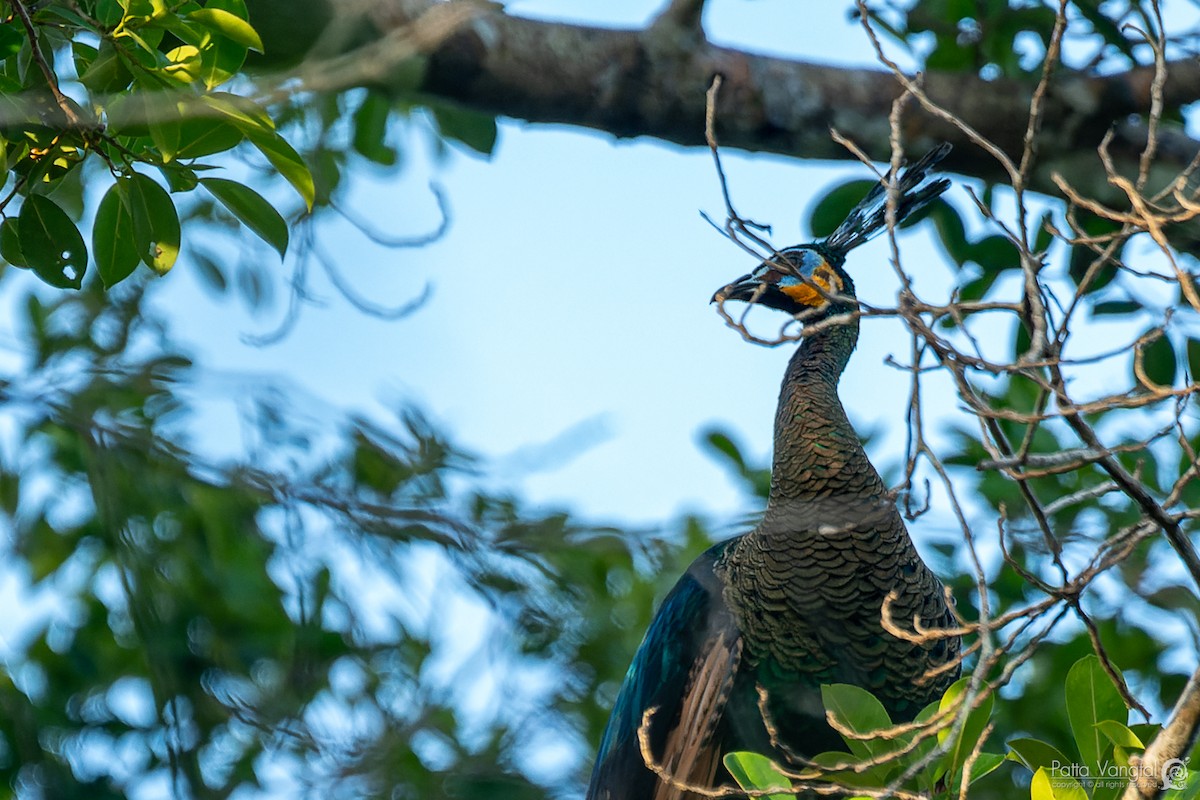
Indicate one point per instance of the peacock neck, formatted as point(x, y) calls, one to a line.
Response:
point(817, 453)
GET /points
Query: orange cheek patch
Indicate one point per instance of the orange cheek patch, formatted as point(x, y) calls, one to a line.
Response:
point(809, 295)
point(804, 294)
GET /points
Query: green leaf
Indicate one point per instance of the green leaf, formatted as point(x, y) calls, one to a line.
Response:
point(1092, 698)
point(755, 772)
point(83, 55)
point(1036, 754)
point(950, 230)
point(252, 209)
point(138, 8)
point(10, 243)
point(244, 113)
point(109, 12)
point(995, 254)
point(235, 7)
point(1104, 25)
point(1116, 307)
point(1043, 238)
point(1021, 340)
point(107, 73)
point(977, 288)
point(1120, 734)
point(166, 131)
point(1193, 358)
point(1058, 787)
point(51, 243)
point(287, 161)
point(985, 764)
point(926, 744)
point(1082, 256)
point(183, 65)
point(972, 730)
point(178, 177)
point(11, 39)
point(474, 129)
point(228, 25)
point(370, 129)
point(220, 63)
point(831, 209)
point(1158, 359)
point(210, 272)
point(113, 242)
point(833, 767)
point(857, 709)
point(200, 137)
point(155, 223)
point(721, 444)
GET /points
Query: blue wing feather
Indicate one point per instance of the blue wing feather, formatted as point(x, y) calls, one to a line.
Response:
point(690, 618)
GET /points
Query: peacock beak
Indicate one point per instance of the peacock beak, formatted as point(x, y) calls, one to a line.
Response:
point(741, 289)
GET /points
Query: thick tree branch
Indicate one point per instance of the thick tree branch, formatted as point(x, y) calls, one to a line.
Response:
point(644, 83)
point(1163, 759)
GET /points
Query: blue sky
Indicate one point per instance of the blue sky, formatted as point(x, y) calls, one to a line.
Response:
point(569, 339)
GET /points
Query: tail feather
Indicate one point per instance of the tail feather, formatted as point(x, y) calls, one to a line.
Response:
point(869, 217)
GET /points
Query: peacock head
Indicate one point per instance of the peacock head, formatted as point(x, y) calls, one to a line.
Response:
point(806, 280)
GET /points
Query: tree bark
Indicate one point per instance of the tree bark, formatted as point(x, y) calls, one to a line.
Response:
point(651, 82)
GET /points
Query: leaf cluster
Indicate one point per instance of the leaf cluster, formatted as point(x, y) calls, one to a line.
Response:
point(133, 86)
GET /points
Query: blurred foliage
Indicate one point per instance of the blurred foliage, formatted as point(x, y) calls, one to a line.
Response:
point(210, 617)
point(1009, 38)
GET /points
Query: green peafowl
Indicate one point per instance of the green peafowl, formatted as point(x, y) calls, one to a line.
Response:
point(794, 603)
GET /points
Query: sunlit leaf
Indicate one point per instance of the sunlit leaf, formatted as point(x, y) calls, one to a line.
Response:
point(286, 161)
point(972, 729)
point(155, 223)
point(1120, 734)
point(228, 25)
point(1056, 787)
point(242, 112)
point(183, 64)
point(985, 764)
point(756, 772)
